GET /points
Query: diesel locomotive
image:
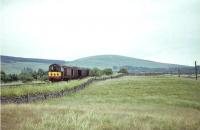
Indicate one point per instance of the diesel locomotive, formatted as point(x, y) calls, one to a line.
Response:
point(59, 72)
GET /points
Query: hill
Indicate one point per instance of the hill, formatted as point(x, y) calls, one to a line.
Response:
point(11, 64)
point(11, 59)
point(112, 61)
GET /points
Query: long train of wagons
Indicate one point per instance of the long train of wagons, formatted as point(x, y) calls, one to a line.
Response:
point(59, 72)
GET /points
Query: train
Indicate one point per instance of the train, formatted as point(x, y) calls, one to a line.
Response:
point(59, 72)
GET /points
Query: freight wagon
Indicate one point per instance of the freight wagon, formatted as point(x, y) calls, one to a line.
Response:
point(59, 72)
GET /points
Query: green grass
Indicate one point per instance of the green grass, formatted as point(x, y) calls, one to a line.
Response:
point(43, 88)
point(106, 76)
point(141, 103)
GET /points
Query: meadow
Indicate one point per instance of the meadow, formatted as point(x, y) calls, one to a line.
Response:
point(46, 87)
point(130, 102)
point(42, 88)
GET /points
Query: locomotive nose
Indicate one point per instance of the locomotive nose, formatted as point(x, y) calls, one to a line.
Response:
point(55, 76)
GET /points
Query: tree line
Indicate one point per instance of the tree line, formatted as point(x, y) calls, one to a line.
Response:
point(27, 74)
point(107, 71)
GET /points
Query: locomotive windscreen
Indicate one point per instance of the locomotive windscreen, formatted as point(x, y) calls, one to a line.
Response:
point(55, 67)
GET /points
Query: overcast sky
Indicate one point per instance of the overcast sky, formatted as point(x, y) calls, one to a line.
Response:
point(159, 30)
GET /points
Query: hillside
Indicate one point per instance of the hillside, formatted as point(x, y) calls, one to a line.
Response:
point(11, 64)
point(11, 59)
point(110, 61)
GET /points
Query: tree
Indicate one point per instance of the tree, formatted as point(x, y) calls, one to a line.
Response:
point(123, 70)
point(3, 76)
point(8, 77)
point(35, 75)
point(25, 77)
point(107, 71)
point(40, 73)
point(95, 72)
point(44, 77)
point(13, 77)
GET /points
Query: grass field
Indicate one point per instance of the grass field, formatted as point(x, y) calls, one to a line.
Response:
point(25, 89)
point(141, 103)
point(42, 88)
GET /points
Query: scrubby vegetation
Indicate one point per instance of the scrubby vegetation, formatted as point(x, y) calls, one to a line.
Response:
point(45, 88)
point(99, 72)
point(141, 103)
point(8, 77)
point(26, 75)
point(123, 70)
point(107, 71)
point(42, 88)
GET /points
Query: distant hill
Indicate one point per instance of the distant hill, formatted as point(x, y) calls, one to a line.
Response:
point(110, 61)
point(11, 59)
point(11, 64)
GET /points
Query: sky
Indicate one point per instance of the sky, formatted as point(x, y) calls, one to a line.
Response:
point(159, 30)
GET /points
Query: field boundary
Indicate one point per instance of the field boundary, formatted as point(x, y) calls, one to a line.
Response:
point(28, 98)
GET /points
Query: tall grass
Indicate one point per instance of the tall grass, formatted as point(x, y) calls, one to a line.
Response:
point(45, 88)
point(42, 88)
point(141, 103)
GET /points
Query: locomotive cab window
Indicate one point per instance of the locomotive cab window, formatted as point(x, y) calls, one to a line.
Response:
point(54, 68)
point(62, 69)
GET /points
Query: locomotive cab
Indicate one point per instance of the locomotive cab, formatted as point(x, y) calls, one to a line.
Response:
point(60, 72)
point(55, 72)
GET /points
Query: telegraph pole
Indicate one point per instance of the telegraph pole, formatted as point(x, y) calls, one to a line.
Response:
point(196, 69)
point(179, 72)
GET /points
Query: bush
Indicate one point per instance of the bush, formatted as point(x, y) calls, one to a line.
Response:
point(34, 75)
point(25, 77)
point(95, 72)
point(8, 77)
point(3, 76)
point(107, 71)
point(40, 73)
point(123, 70)
point(44, 78)
point(13, 77)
